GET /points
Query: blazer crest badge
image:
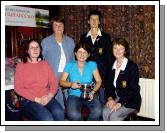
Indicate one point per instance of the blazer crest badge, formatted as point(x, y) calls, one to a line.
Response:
point(124, 84)
point(100, 51)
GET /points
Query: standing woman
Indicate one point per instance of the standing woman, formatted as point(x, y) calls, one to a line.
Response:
point(36, 83)
point(58, 50)
point(81, 71)
point(99, 43)
point(123, 90)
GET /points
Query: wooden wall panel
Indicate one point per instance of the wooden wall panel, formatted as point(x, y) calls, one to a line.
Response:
point(136, 23)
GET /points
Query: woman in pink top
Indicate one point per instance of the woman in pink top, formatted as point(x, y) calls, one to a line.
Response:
point(36, 83)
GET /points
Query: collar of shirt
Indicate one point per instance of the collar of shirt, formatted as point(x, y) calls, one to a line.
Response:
point(98, 33)
point(123, 66)
point(59, 43)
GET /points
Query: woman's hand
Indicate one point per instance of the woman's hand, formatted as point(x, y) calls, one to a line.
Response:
point(111, 103)
point(37, 100)
point(46, 99)
point(116, 107)
point(75, 85)
point(91, 95)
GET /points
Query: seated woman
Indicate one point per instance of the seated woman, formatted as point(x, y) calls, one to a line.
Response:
point(81, 71)
point(123, 90)
point(36, 83)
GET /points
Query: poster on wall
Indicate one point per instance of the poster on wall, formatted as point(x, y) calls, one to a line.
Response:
point(24, 16)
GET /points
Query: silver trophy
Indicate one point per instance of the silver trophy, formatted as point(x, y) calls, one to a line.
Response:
point(86, 89)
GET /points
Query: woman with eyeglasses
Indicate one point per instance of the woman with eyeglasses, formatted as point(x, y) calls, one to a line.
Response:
point(36, 84)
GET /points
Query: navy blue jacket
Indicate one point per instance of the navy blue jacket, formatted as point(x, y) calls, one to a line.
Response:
point(100, 52)
point(127, 86)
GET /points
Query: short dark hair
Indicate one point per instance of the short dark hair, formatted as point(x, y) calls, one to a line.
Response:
point(95, 12)
point(57, 19)
point(124, 43)
point(26, 45)
point(85, 46)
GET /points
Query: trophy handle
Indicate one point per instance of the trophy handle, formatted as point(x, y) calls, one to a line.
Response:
point(92, 85)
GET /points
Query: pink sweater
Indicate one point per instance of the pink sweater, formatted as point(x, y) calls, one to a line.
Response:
point(34, 80)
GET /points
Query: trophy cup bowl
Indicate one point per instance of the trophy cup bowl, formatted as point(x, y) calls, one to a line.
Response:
point(86, 89)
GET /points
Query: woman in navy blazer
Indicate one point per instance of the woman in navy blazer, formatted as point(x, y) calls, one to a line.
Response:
point(123, 90)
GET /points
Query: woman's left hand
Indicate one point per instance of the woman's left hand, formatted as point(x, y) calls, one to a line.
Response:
point(91, 96)
point(116, 107)
point(45, 99)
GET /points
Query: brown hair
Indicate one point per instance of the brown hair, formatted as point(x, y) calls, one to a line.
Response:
point(57, 19)
point(85, 46)
point(26, 47)
point(124, 43)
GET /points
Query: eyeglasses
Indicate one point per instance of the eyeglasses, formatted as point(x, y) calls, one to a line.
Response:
point(34, 48)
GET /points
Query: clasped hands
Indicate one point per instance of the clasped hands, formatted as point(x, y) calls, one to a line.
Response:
point(44, 100)
point(113, 105)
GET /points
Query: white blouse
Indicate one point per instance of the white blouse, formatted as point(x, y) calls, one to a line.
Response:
point(62, 62)
point(117, 71)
